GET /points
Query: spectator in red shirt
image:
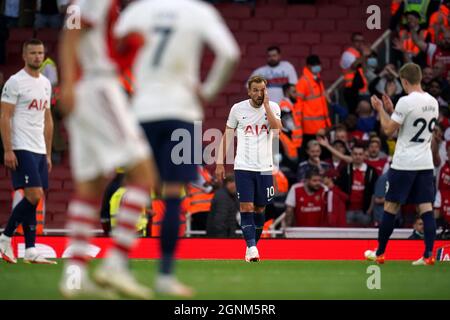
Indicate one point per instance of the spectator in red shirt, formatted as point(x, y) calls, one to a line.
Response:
point(336, 201)
point(443, 197)
point(306, 202)
point(376, 158)
point(358, 180)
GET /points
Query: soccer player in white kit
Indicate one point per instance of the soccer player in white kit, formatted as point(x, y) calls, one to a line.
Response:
point(26, 130)
point(169, 96)
point(255, 120)
point(103, 135)
point(410, 178)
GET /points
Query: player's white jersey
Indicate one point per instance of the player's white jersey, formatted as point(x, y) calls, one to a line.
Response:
point(254, 137)
point(417, 113)
point(96, 45)
point(31, 97)
point(167, 68)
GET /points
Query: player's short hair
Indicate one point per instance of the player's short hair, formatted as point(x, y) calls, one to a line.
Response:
point(314, 172)
point(31, 42)
point(256, 79)
point(411, 72)
point(274, 48)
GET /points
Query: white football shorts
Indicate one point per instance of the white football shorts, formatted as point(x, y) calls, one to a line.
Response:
point(103, 132)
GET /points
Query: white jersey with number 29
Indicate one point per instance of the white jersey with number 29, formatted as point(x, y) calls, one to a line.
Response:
point(417, 113)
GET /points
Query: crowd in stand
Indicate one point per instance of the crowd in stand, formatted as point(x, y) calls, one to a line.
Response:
point(345, 164)
point(333, 159)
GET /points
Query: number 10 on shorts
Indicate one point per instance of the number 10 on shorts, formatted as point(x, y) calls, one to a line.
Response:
point(270, 192)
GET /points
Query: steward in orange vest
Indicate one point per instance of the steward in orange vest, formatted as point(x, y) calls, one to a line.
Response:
point(311, 103)
point(292, 122)
point(406, 44)
point(198, 199)
point(439, 21)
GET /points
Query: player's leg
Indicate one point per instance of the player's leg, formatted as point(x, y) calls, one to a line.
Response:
point(387, 225)
point(26, 176)
point(398, 189)
point(114, 270)
point(260, 219)
point(89, 135)
point(34, 195)
point(265, 191)
point(119, 142)
point(423, 193)
point(174, 175)
point(82, 215)
point(246, 187)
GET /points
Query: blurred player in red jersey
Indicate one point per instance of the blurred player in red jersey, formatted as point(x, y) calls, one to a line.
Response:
point(103, 136)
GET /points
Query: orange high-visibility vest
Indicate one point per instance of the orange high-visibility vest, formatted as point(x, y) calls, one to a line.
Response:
point(290, 149)
point(407, 42)
point(442, 13)
point(312, 103)
point(395, 5)
point(266, 227)
point(349, 74)
point(17, 196)
point(197, 199)
point(297, 133)
point(158, 208)
point(280, 182)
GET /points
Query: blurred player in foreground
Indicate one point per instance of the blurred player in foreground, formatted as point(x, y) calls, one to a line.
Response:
point(27, 130)
point(169, 97)
point(103, 135)
point(255, 120)
point(410, 178)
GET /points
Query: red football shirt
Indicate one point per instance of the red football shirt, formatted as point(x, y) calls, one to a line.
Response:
point(445, 205)
point(378, 164)
point(357, 194)
point(310, 208)
point(337, 209)
point(444, 178)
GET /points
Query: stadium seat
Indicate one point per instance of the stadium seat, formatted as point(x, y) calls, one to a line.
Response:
point(49, 35)
point(20, 34)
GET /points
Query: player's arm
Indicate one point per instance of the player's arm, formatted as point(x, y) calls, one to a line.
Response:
point(48, 135)
point(274, 122)
point(388, 125)
point(7, 113)
point(68, 44)
point(224, 147)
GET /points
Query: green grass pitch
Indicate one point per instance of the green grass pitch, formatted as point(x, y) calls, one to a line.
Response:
point(267, 280)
